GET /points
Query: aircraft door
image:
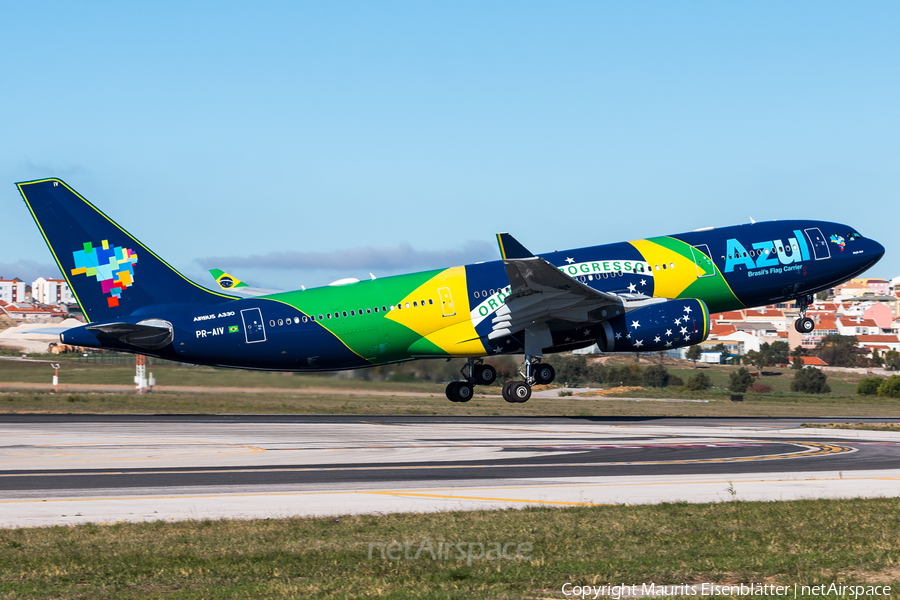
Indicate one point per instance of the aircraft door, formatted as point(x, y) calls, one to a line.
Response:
point(446, 302)
point(254, 328)
point(701, 255)
point(819, 243)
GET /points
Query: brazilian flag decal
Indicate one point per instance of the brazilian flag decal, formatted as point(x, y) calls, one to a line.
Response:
point(232, 329)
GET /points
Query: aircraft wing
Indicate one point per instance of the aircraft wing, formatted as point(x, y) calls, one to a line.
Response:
point(233, 285)
point(540, 292)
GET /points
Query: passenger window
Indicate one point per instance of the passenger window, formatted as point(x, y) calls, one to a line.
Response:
point(492, 292)
point(484, 293)
point(430, 301)
point(320, 317)
point(671, 265)
point(664, 266)
point(477, 295)
point(421, 303)
point(352, 313)
point(280, 322)
point(376, 309)
point(272, 323)
point(383, 309)
point(414, 303)
point(305, 320)
point(407, 305)
point(297, 320)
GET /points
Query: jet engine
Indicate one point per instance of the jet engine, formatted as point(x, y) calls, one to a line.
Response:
point(661, 326)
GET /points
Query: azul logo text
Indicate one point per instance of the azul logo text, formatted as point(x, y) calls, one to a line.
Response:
point(771, 253)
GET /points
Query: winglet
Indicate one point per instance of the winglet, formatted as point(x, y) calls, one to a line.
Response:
point(510, 248)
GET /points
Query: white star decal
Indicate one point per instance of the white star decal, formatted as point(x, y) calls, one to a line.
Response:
point(628, 336)
point(678, 321)
point(635, 324)
point(683, 330)
point(668, 344)
point(618, 336)
point(668, 332)
point(687, 309)
point(687, 337)
point(631, 287)
point(656, 340)
point(570, 260)
point(638, 344)
point(568, 339)
point(643, 282)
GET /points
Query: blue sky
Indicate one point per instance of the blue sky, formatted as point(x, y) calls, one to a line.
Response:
point(296, 143)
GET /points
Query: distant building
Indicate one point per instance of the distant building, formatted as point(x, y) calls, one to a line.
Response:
point(13, 290)
point(51, 291)
point(30, 312)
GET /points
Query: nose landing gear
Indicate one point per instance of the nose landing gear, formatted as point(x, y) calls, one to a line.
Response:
point(804, 324)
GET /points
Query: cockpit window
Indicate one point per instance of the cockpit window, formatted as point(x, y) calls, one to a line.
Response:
point(853, 236)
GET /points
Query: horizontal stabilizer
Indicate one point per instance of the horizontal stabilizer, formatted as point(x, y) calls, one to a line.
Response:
point(510, 248)
point(151, 334)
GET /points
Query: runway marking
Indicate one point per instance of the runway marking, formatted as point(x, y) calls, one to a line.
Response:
point(414, 493)
point(451, 497)
point(811, 449)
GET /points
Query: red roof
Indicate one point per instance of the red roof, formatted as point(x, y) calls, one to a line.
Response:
point(770, 313)
point(851, 322)
point(732, 315)
point(813, 361)
point(890, 339)
point(722, 329)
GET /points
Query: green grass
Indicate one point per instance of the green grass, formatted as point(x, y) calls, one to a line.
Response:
point(861, 426)
point(272, 393)
point(805, 542)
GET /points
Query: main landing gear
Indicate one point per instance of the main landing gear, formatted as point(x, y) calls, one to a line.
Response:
point(804, 324)
point(475, 373)
point(535, 374)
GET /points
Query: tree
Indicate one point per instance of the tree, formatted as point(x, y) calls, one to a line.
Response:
point(823, 295)
point(810, 381)
point(693, 354)
point(838, 350)
point(740, 380)
point(778, 352)
point(656, 376)
point(890, 387)
point(868, 386)
point(798, 354)
point(892, 360)
point(700, 381)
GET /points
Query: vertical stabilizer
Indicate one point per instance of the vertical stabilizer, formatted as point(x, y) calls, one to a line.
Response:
point(111, 274)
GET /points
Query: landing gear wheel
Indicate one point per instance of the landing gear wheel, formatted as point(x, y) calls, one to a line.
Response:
point(464, 392)
point(459, 391)
point(804, 325)
point(506, 393)
point(519, 391)
point(485, 375)
point(544, 374)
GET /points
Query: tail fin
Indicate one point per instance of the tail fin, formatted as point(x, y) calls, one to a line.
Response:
point(226, 281)
point(111, 274)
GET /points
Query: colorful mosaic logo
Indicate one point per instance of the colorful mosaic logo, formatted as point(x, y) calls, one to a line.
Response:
point(113, 267)
point(839, 240)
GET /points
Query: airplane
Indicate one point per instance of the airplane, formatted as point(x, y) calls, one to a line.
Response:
point(644, 295)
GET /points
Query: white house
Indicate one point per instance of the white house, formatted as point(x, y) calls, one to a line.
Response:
point(12, 290)
point(51, 291)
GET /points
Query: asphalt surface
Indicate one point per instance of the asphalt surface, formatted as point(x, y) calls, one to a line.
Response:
point(58, 469)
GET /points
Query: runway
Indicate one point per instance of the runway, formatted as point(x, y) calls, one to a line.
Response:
point(57, 469)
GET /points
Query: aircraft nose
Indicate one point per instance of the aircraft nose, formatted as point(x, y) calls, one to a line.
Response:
point(877, 249)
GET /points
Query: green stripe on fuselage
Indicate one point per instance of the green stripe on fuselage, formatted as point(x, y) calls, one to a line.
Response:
point(368, 334)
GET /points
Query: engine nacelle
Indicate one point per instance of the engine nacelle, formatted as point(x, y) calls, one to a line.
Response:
point(663, 326)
